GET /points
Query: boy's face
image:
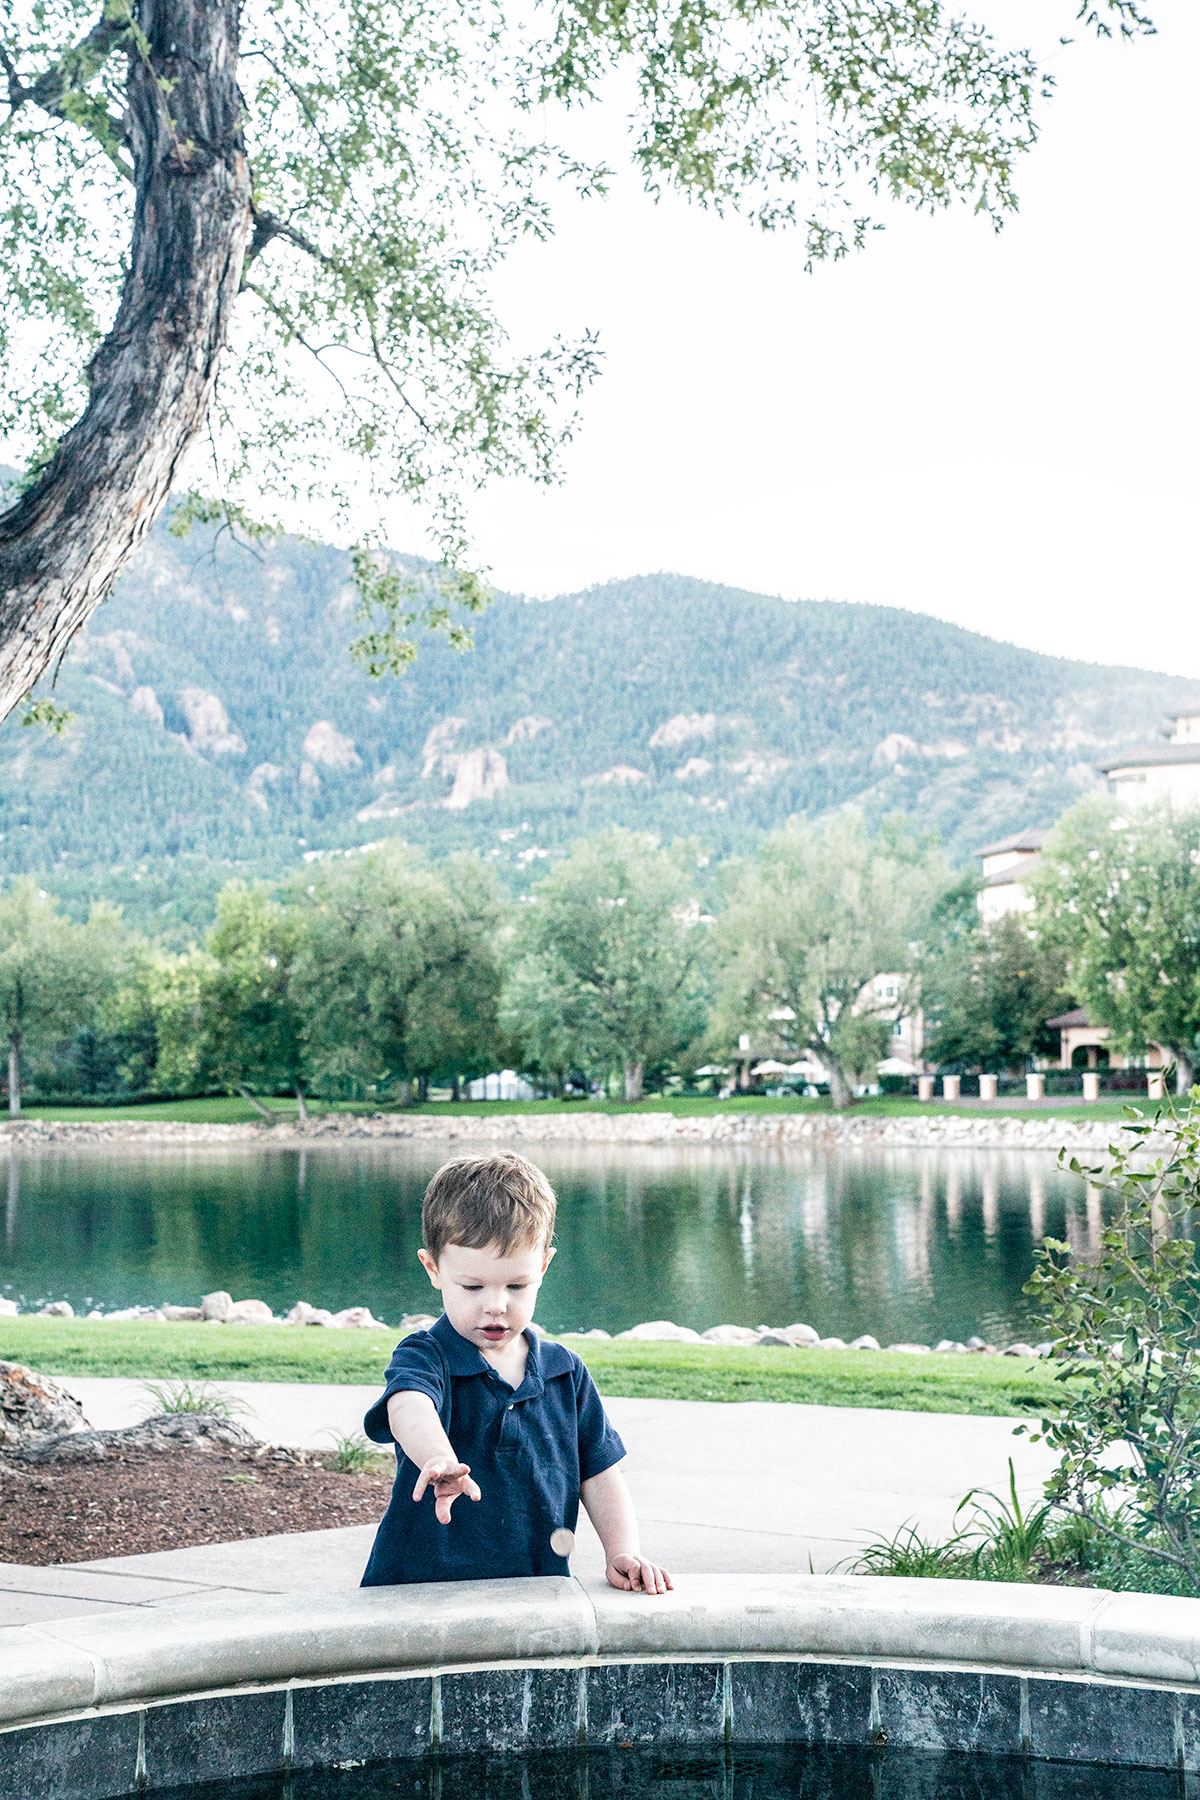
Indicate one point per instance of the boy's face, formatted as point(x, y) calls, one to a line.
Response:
point(489, 1296)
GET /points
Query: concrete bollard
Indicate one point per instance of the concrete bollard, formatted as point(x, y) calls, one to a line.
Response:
point(1155, 1088)
point(1091, 1085)
point(1035, 1087)
point(987, 1087)
point(950, 1087)
point(924, 1087)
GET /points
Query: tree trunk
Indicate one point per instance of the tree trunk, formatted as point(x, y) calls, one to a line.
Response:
point(301, 1108)
point(634, 1071)
point(839, 1088)
point(253, 1100)
point(65, 541)
point(422, 1089)
point(1185, 1073)
point(14, 1075)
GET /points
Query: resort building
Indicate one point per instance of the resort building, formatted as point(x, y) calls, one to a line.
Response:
point(1083, 1045)
point(1007, 866)
point(1169, 771)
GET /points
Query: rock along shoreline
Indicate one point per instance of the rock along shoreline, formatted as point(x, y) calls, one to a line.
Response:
point(987, 1131)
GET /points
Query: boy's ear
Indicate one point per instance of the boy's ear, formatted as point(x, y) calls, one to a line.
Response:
point(551, 1253)
point(430, 1267)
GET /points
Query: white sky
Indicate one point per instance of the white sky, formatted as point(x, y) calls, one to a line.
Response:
point(1000, 431)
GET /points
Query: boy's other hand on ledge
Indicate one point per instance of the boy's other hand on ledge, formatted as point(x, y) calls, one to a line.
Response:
point(637, 1575)
point(449, 1480)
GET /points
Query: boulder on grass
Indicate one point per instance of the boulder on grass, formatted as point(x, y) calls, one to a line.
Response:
point(662, 1331)
point(831, 1343)
point(215, 1307)
point(56, 1309)
point(249, 1312)
point(8, 1308)
point(730, 1334)
point(181, 1315)
point(866, 1342)
point(422, 1322)
point(33, 1407)
point(802, 1337)
point(356, 1318)
point(772, 1340)
point(304, 1314)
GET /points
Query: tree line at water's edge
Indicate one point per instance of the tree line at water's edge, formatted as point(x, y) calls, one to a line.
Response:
point(376, 975)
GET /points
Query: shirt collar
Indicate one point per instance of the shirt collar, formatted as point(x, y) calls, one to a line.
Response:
point(462, 1358)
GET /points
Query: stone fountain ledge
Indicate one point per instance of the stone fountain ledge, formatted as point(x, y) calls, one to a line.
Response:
point(985, 1131)
point(223, 1688)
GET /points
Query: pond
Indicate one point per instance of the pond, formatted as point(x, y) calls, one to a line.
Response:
point(910, 1245)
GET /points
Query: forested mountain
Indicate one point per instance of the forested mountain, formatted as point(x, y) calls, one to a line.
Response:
point(221, 727)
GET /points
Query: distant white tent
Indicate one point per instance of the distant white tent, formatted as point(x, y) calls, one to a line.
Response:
point(506, 1085)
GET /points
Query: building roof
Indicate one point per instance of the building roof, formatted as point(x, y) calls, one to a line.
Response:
point(1016, 872)
point(1077, 1016)
point(1152, 756)
point(1025, 840)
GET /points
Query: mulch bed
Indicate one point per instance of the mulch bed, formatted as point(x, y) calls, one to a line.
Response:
point(140, 1499)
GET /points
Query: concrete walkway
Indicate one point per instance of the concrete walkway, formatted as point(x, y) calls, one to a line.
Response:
point(754, 1488)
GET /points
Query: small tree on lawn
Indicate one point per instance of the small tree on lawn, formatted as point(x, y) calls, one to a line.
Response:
point(398, 974)
point(813, 917)
point(987, 991)
point(1121, 895)
point(54, 975)
point(614, 958)
point(253, 1026)
point(155, 1015)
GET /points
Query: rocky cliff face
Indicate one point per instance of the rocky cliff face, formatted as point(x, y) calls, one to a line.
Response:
point(221, 726)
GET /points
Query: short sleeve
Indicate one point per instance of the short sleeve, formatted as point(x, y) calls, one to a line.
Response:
point(417, 1366)
point(599, 1445)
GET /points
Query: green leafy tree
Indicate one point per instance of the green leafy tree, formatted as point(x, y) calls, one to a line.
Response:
point(1120, 893)
point(54, 975)
point(812, 918)
point(253, 1026)
point(398, 973)
point(155, 1014)
point(988, 992)
point(276, 224)
point(613, 958)
point(1126, 1431)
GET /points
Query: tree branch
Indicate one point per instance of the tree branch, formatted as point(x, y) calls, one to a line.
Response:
point(55, 88)
point(267, 227)
point(78, 66)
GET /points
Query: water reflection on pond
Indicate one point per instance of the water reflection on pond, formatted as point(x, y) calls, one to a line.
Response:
point(911, 1245)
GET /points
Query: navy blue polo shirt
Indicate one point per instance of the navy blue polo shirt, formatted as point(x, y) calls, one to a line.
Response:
point(529, 1449)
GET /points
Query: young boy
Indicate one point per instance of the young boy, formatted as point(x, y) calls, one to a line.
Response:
point(484, 1414)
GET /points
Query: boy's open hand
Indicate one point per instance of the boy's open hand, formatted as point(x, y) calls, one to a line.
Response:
point(449, 1480)
point(637, 1575)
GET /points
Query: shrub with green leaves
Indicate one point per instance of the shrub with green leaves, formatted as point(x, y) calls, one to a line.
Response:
point(1126, 1324)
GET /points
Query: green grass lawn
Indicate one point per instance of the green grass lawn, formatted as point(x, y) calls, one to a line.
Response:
point(955, 1384)
point(231, 1110)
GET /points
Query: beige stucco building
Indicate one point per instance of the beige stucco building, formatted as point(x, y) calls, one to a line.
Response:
point(1169, 771)
point(1007, 866)
point(1083, 1045)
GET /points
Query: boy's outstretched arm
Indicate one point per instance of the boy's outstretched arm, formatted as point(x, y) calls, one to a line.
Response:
point(417, 1429)
point(610, 1508)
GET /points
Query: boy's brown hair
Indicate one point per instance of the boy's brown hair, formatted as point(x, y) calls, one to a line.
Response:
point(481, 1200)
